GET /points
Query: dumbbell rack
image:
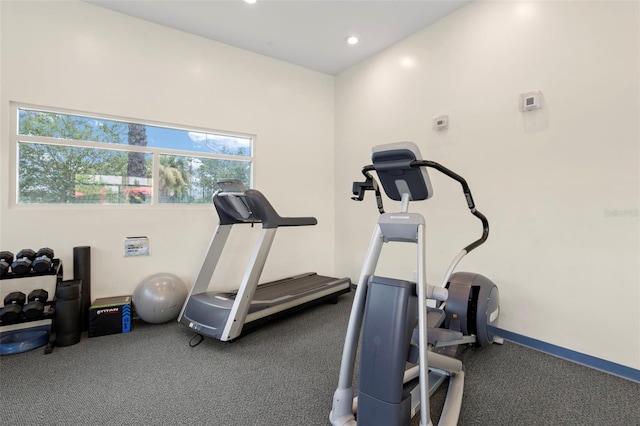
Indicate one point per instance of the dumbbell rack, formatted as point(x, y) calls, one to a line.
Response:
point(48, 280)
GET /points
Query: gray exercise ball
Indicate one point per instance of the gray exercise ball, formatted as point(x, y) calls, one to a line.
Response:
point(159, 298)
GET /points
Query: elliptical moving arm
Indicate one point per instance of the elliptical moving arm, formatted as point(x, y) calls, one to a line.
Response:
point(370, 184)
point(467, 194)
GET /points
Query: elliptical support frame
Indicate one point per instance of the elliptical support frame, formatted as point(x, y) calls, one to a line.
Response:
point(403, 176)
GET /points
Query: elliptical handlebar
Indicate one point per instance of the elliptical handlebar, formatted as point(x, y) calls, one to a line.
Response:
point(370, 184)
point(467, 194)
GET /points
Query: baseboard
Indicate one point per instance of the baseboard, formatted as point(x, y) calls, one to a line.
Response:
point(577, 357)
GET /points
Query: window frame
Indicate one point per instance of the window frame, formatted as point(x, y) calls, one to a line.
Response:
point(15, 139)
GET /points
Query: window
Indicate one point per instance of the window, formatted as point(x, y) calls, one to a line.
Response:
point(74, 158)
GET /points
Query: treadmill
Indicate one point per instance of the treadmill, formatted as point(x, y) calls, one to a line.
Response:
point(224, 315)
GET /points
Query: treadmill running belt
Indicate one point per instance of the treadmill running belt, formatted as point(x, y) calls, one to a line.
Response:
point(292, 287)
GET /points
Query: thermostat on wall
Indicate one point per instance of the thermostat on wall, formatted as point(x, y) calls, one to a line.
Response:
point(530, 101)
point(441, 122)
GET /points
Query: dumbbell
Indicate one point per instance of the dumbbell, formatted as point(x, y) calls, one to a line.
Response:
point(43, 259)
point(23, 261)
point(34, 309)
point(12, 309)
point(6, 259)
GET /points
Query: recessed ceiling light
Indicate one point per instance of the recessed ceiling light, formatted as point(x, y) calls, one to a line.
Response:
point(407, 62)
point(352, 40)
point(250, 1)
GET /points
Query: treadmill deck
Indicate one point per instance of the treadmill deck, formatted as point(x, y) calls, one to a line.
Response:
point(208, 312)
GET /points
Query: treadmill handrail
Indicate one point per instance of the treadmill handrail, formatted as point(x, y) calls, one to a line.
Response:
point(261, 211)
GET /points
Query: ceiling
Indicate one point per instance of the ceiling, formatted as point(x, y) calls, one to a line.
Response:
point(308, 33)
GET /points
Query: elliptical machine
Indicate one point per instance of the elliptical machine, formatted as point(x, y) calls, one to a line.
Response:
point(408, 349)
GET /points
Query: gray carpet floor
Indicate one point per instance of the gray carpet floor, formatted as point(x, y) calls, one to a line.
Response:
point(283, 373)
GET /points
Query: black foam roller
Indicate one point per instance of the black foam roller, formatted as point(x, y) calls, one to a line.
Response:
point(82, 272)
point(68, 301)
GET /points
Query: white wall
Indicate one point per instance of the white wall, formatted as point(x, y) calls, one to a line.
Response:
point(559, 186)
point(82, 57)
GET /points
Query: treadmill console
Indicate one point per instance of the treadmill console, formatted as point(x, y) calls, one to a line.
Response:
point(232, 185)
point(233, 190)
